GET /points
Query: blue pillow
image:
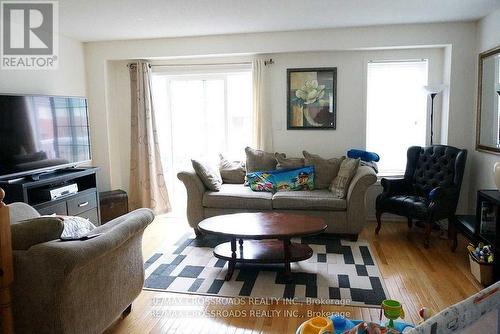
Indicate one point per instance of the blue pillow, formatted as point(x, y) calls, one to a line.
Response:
point(294, 179)
point(363, 155)
point(282, 180)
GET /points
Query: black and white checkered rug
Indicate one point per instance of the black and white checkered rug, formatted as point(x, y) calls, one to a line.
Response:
point(339, 271)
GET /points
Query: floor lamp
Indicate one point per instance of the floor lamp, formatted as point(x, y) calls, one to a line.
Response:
point(432, 91)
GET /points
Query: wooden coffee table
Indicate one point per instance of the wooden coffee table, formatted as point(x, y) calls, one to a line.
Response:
point(263, 238)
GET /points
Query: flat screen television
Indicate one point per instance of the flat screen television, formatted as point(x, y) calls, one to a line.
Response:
point(42, 133)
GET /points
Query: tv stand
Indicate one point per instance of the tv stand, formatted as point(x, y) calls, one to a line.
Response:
point(32, 190)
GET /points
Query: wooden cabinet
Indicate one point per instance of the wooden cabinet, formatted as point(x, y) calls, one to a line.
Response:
point(113, 204)
point(84, 203)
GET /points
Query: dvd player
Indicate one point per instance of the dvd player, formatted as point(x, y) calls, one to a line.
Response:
point(60, 191)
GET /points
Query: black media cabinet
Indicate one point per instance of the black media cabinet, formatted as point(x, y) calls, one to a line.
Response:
point(85, 203)
point(470, 225)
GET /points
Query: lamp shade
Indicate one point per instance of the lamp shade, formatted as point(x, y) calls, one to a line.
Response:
point(434, 89)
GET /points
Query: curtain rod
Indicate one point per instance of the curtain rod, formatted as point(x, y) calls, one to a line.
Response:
point(266, 62)
point(397, 61)
point(207, 64)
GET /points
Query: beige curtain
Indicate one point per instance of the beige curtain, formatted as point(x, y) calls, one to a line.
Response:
point(147, 182)
point(262, 122)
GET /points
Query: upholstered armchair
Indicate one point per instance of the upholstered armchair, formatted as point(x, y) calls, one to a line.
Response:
point(74, 286)
point(429, 190)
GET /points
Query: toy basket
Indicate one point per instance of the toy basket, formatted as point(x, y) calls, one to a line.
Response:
point(483, 272)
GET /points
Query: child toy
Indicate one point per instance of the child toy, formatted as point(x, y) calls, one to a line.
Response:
point(317, 325)
point(341, 324)
point(392, 310)
point(482, 253)
point(359, 328)
point(371, 328)
point(424, 313)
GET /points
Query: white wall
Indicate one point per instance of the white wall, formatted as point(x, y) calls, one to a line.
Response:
point(351, 93)
point(488, 37)
point(458, 39)
point(350, 132)
point(119, 110)
point(68, 79)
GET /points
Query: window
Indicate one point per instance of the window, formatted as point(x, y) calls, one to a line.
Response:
point(396, 111)
point(203, 114)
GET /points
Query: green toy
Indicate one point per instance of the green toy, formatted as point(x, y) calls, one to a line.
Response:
point(392, 310)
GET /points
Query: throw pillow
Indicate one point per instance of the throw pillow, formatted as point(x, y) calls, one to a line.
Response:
point(231, 171)
point(209, 175)
point(30, 232)
point(340, 184)
point(294, 179)
point(288, 163)
point(363, 155)
point(76, 227)
point(282, 180)
point(260, 181)
point(258, 161)
point(325, 169)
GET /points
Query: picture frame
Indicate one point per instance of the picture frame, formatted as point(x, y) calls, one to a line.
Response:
point(312, 98)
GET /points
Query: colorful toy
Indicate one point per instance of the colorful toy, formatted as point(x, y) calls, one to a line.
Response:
point(317, 325)
point(374, 328)
point(359, 328)
point(341, 324)
point(392, 310)
point(424, 313)
point(482, 253)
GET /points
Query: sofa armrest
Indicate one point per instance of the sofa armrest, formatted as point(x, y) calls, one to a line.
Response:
point(356, 206)
point(195, 190)
point(68, 255)
point(27, 233)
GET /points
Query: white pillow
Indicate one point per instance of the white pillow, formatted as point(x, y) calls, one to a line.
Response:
point(75, 227)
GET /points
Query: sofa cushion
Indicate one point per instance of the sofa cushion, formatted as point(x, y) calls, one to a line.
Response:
point(414, 206)
point(232, 171)
point(208, 174)
point(258, 161)
point(326, 169)
point(340, 183)
point(288, 163)
point(308, 200)
point(237, 196)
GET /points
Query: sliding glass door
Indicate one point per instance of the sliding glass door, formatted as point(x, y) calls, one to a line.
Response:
point(200, 116)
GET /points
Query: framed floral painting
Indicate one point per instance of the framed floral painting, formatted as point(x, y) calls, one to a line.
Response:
point(312, 98)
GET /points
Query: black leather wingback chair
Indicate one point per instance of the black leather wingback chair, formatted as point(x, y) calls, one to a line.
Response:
point(429, 190)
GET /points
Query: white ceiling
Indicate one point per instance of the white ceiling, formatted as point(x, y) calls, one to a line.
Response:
point(97, 20)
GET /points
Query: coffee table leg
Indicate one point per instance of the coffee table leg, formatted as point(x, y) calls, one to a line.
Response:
point(232, 263)
point(286, 251)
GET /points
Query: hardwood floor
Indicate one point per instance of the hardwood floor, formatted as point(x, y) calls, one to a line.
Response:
point(415, 276)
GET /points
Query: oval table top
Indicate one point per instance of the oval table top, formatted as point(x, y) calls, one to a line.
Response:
point(263, 225)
